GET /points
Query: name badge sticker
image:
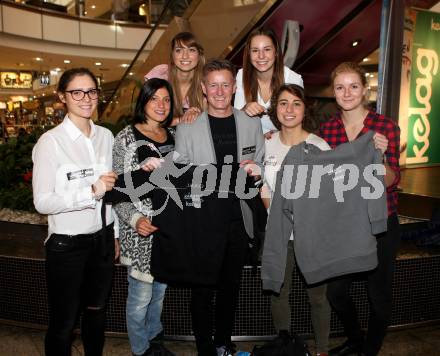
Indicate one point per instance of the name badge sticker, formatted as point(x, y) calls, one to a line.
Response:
point(248, 150)
point(82, 173)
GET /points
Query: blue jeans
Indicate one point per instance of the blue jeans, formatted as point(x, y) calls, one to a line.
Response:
point(144, 308)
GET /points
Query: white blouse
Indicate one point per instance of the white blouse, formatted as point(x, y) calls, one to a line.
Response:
point(290, 77)
point(66, 164)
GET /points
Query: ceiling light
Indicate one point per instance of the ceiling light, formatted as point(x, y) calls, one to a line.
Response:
point(124, 65)
point(21, 64)
point(44, 94)
point(67, 61)
point(85, 12)
point(366, 59)
point(367, 74)
point(131, 73)
point(93, 6)
point(371, 75)
point(98, 64)
point(355, 43)
point(38, 59)
point(57, 69)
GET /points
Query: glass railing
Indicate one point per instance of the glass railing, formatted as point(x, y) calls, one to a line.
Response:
point(41, 108)
point(116, 107)
point(133, 11)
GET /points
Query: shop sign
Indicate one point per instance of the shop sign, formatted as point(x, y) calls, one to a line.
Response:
point(31, 105)
point(16, 80)
point(423, 131)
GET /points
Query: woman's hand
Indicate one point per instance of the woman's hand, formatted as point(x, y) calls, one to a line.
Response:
point(251, 168)
point(190, 115)
point(268, 134)
point(254, 109)
point(151, 164)
point(380, 142)
point(117, 249)
point(105, 183)
point(144, 226)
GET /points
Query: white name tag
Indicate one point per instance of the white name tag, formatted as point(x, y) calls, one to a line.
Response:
point(82, 173)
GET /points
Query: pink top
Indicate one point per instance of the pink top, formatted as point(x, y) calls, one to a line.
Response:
point(161, 72)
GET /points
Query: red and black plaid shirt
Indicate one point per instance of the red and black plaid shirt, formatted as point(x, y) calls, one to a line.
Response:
point(333, 131)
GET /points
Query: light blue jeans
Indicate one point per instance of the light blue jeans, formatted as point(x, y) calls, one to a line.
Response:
point(144, 308)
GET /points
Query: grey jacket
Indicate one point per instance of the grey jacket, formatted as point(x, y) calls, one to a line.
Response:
point(194, 145)
point(333, 226)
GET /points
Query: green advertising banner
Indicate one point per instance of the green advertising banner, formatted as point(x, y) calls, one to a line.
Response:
point(423, 133)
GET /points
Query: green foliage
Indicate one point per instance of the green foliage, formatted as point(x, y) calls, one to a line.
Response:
point(16, 172)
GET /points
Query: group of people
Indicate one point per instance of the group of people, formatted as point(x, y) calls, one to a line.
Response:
point(186, 107)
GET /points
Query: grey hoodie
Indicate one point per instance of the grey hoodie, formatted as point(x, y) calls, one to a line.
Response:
point(333, 226)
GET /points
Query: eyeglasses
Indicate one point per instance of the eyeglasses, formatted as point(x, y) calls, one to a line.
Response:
point(78, 94)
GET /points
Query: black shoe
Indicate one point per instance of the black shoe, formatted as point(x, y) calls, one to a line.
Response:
point(158, 339)
point(347, 348)
point(158, 349)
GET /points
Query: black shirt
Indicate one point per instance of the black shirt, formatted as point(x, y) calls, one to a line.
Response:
point(191, 241)
point(224, 136)
point(157, 149)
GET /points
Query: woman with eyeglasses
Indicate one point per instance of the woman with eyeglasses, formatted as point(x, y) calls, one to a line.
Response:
point(184, 72)
point(72, 171)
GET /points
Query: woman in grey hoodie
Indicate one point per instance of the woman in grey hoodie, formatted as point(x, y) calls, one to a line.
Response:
point(289, 114)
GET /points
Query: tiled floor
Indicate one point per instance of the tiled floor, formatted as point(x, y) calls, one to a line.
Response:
point(17, 341)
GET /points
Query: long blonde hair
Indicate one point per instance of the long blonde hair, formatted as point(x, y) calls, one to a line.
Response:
point(195, 94)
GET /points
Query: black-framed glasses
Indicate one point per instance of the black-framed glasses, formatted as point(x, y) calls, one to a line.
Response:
point(79, 94)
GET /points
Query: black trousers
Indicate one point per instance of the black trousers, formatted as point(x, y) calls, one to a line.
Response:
point(79, 278)
point(379, 284)
point(228, 287)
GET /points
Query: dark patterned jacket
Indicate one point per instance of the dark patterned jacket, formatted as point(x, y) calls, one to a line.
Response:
point(135, 249)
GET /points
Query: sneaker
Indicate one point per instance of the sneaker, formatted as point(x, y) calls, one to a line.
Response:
point(224, 351)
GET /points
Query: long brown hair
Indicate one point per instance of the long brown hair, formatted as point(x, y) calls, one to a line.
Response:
point(250, 82)
point(195, 94)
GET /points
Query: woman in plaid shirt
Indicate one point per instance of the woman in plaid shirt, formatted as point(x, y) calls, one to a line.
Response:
point(353, 120)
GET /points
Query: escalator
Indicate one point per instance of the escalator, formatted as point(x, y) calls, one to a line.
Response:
point(221, 26)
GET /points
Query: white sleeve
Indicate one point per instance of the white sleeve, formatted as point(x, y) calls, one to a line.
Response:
point(44, 175)
point(115, 223)
point(239, 100)
point(291, 77)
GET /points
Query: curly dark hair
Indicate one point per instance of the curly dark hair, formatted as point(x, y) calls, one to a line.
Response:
point(310, 122)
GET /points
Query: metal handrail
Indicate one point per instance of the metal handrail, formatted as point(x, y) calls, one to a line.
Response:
point(128, 70)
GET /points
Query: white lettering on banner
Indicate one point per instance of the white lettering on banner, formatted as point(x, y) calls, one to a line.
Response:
point(427, 63)
point(435, 26)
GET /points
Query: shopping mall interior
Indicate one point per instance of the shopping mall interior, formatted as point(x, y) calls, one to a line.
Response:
point(120, 41)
